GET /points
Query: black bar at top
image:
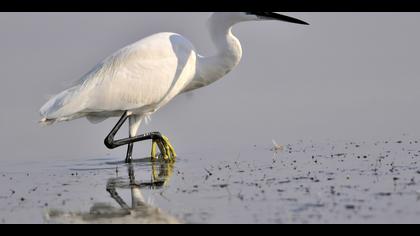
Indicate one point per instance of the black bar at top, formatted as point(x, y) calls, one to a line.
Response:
point(210, 5)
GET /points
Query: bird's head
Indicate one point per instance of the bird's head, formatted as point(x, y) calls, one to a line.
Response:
point(236, 17)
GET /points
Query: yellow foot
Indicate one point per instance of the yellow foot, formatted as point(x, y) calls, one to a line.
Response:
point(167, 151)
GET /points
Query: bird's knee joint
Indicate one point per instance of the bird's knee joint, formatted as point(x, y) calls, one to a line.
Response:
point(109, 143)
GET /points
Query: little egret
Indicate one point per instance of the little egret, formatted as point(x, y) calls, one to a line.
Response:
point(139, 79)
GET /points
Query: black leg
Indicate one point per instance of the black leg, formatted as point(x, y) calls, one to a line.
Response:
point(112, 144)
point(129, 157)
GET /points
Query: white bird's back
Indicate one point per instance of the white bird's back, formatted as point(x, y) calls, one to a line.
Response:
point(140, 78)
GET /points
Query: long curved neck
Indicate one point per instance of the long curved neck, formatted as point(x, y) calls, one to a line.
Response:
point(228, 46)
point(228, 55)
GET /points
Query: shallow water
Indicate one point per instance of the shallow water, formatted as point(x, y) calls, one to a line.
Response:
point(307, 182)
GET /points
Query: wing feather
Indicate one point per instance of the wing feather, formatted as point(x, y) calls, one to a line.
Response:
point(136, 76)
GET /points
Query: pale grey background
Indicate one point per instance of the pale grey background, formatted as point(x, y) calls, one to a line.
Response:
point(347, 76)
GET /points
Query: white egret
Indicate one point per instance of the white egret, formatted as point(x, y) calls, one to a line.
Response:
point(139, 79)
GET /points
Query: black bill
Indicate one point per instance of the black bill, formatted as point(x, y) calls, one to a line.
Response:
point(275, 16)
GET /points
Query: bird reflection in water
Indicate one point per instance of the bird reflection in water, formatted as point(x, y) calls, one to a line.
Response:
point(140, 212)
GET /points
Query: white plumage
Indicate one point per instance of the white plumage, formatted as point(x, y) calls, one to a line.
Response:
point(143, 77)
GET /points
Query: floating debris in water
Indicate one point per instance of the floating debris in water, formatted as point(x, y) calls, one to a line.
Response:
point(208, 172)
point(384, 194)
point(221, 186)
point(277, 147)
point(350, 207)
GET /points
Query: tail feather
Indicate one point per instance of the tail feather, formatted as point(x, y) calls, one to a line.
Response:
point(47, 122)
point(61, 107)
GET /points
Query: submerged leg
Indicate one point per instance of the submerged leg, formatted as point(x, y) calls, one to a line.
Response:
point(166, 149)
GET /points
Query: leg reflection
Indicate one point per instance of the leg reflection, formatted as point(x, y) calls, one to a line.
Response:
point(161, 173)
point(140, 212)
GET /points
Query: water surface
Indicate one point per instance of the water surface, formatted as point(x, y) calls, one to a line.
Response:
point(308, 182)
